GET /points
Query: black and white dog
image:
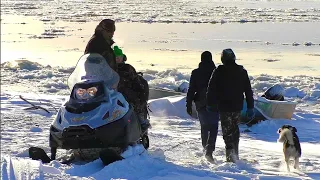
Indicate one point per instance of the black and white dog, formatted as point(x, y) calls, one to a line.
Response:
point(291, 144)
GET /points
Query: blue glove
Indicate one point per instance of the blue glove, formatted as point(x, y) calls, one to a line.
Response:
point(250, 114)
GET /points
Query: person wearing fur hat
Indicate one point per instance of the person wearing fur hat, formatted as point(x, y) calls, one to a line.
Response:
point(225, 92)
point(197, 92)
point(101, 42)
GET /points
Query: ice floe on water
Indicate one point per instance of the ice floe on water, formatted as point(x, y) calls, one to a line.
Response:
point(193, 11)
point(52, 80)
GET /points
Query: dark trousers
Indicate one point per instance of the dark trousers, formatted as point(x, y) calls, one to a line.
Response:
point(209, 129)
point(230, 131)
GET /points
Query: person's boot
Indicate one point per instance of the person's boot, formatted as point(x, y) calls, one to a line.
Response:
point(209, 156)
point(236, 148)
point(36, 153)
point(230, 155)
point(145, 126)
point(144, 122)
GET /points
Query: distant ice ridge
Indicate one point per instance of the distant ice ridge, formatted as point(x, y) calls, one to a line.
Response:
point(167, 11)
point(52, 80)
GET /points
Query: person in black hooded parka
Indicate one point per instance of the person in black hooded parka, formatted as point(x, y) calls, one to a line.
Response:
point(226, 87)
point(197, 92)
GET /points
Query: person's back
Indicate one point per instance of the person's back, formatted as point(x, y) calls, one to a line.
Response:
point(129, 84)
point(227, 85)
point(231, 87)
point(199, 81)
point(197, 92)
point(101, 42)
point(134, 88)
point(225, 95)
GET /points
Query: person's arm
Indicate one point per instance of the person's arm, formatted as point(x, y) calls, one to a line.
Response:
point(248, 91)
point(94, 46)
point(146, 88)
point(212, 92)
point(90, 46)
point(191, 90)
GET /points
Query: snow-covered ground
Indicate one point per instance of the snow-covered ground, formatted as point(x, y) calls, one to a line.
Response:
point(34, 78)
point(175, 151)
point(277, 41)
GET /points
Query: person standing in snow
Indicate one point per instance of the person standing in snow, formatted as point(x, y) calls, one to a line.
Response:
point(101, 42)
point(225, 95)
point(197, 92)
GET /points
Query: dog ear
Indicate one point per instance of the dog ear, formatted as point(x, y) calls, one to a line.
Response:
point(294, 129)
point(279, 130)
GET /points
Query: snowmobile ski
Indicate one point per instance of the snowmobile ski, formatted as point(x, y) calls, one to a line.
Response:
point(36, 153)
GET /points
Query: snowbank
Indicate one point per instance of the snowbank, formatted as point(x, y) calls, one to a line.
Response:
point(294, 92)
point(315, 92)
point(22, 65)
point(175, 147)
point(169, 107)
point(53, 80)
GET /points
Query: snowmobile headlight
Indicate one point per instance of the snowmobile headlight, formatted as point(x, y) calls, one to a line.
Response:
point(86, 93)
point(92, 91)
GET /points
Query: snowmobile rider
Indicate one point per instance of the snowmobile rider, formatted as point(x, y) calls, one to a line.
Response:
point(225, 95)
point(133, 87)
point(197, 92)
point(101, 42)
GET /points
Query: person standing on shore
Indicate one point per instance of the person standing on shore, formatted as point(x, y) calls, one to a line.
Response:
point(197, 92)
point(225, 95)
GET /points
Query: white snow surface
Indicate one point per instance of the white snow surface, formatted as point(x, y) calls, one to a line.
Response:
point(175, 146)
point(36, 78)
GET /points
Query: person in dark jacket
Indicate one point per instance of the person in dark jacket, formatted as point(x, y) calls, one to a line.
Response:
point(101, 42)
point(134, 88)
point(225, 95)
point(197, 92)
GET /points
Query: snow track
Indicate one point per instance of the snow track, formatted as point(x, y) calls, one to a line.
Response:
point(17, 168)
point(175, 148)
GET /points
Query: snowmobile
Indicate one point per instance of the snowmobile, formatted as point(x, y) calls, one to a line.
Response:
point(95, 115)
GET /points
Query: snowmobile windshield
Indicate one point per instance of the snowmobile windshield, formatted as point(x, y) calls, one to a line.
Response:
point(93, 68)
